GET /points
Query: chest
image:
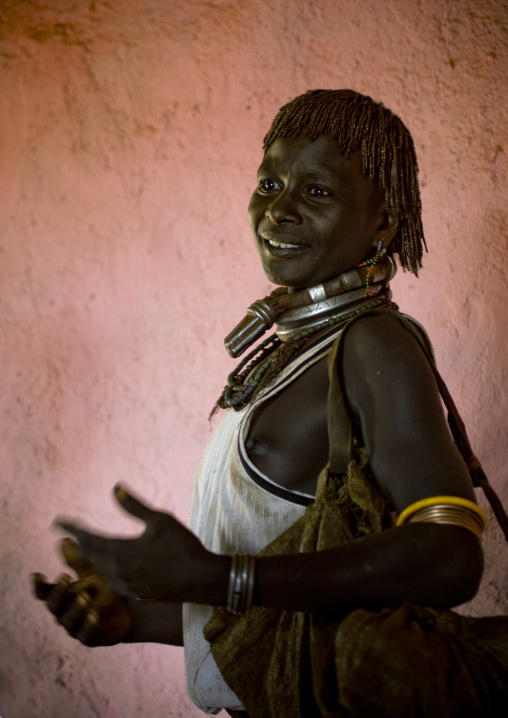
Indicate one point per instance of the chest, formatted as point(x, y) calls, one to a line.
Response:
point(287, 438)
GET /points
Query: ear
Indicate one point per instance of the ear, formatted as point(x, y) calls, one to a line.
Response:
point(388, 227)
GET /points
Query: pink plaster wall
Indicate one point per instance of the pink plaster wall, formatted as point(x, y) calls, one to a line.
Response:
point(130, 133)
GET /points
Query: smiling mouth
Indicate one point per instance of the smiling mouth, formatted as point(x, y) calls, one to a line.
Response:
point(273, 243)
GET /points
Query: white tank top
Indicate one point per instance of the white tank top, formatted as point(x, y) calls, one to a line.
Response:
point(236, 509)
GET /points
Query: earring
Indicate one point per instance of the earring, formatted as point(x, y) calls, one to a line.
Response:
point(371, 263)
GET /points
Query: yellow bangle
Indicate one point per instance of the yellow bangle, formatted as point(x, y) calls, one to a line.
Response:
point(446, 509)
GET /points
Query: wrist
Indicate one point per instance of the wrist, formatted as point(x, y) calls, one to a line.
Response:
point(155, 622)
point(214, 580)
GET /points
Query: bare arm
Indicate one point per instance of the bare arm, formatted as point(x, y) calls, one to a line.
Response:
point(155, 622)
point(395, 403)
point(394, 399)
point(396, 406)
point(431, 565)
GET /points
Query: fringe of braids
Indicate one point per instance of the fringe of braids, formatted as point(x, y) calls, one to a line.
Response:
point(388, 154)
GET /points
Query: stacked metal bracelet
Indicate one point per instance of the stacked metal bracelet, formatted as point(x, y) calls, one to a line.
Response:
point(446, 510)
point(241, 584)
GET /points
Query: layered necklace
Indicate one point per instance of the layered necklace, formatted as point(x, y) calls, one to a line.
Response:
point(300, 316)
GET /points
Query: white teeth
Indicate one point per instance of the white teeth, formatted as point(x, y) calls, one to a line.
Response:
point(282, 245)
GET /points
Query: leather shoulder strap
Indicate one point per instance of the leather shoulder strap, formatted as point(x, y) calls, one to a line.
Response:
point(339, 424)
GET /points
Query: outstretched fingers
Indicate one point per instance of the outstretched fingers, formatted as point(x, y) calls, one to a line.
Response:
point(74, 558)
point(133, 505)
point(93, 547)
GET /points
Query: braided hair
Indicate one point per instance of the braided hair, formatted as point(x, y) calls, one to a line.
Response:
point(388, 154)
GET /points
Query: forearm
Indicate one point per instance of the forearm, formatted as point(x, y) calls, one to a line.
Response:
point(155, 622)
point(430, 564)
point(438, 566)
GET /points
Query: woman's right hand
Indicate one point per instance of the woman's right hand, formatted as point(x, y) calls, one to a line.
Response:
point(87, 608)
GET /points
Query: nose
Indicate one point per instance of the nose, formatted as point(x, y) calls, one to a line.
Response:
point(283, 208)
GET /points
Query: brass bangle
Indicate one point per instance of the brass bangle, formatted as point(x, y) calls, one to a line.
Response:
point(447, 500)
point(452, 510)
point(456, 516)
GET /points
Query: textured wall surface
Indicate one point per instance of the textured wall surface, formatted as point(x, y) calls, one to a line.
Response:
point(130, 132)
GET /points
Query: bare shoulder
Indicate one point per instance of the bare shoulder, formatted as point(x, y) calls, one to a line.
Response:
point(380, 352)
point(379, 337)
point(395, 404)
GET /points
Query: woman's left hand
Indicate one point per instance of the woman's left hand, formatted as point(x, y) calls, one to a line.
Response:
point(166, 563)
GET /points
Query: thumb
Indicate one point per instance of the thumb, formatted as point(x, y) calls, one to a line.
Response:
point(132, 505)
point(75, 559)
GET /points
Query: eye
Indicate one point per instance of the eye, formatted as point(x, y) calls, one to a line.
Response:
point(319, 192)
point(268, 185)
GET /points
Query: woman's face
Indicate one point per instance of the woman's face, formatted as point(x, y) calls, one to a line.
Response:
point(314, 214)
